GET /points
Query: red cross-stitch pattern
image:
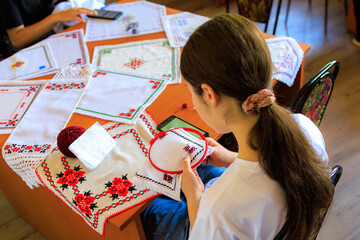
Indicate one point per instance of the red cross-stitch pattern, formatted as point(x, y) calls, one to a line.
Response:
point(189, 149)
point(120, 187)
point(168, 178)
point(118, 193)
point(135, 63)
point(70, 177)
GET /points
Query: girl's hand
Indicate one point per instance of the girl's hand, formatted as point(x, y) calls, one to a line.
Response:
point(191, 183)
point(72, 14)
point(221, 157)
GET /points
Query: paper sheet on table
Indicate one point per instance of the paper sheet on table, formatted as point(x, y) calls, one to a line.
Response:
point(144, 17)
point(30, 62)
point(144, 58)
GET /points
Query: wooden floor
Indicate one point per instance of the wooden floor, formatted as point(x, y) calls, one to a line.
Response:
point(340, 127)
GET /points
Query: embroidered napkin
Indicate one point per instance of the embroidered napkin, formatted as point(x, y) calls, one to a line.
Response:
point(92, 146)
point(35, 136)
point(180, 26)
point(30, 62)
point(144, 58)
point(107, 190)
point(69, 48)
point(163, 171)
point(287, 56)
point(119, 96)
point(16, 98)
point(138, 18)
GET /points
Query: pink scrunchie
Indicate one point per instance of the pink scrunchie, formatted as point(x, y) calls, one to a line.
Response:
point(254, 102)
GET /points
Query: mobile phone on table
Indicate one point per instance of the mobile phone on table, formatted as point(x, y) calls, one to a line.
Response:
point(106, 14)
point(176, 122)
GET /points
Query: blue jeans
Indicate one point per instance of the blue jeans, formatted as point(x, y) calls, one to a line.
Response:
point(166, 219)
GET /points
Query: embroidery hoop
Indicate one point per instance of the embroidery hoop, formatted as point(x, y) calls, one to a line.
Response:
point(164, 132)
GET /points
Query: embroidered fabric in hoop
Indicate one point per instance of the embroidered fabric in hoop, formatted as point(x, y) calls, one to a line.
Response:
point(254, 102)
point(162, 173)
point(35, 136)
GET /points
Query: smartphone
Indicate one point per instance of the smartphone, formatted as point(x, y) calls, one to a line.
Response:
point(106, 14)
point(176, 122)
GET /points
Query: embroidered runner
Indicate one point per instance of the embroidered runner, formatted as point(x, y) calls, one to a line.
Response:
point(119, 96)
point(108, 190)
point(69, 48)
point(180, 26)
point(137, 18)
point(287, 56)
point(35, 136)
point(30, 62)
point(15, 99)
point(151, 58)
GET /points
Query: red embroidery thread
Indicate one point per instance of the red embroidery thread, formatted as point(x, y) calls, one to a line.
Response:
point(189, 149)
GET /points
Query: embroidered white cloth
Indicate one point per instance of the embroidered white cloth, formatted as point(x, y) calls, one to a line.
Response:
point(162, 173)
point(107, 190)
point(28, 63)
point(180, 26)
point(138, 18)
point(69, 48)
point(119, 96)
point(35, 136)
point(92, 146)
point(287, 56)
point(16, 98)
point(150, 58)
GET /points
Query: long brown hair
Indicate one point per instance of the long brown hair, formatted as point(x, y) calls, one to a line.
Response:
point(229, 54)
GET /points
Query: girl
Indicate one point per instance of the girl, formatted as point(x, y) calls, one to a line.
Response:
point(278, 176)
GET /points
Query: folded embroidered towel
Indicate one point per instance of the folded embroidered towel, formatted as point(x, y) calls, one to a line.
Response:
point(68, 48)
point(162, 173)
point(287, 56)
point(139, 17)
point(35, 136)
point(180, 26)
point(153, 58)
point(30, 62)
point(92, 146)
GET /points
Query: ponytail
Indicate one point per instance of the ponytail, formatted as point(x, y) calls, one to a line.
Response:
point(286, 156)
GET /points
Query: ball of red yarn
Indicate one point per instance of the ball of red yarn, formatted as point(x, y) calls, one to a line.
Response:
point(66, 137)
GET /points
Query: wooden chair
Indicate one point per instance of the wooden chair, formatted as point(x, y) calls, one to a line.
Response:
point(312, 99)
point(335, 175)
point(256, 10)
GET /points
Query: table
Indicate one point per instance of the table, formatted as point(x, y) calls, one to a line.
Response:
point(35, 206)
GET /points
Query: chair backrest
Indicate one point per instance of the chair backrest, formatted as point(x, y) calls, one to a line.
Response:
point(255, 10)
point(334, 178)
point(312, 99)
